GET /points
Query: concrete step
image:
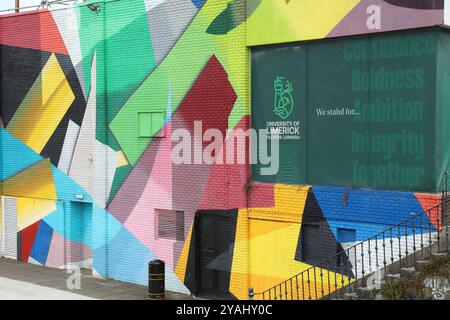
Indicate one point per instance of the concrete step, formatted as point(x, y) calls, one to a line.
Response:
point(408, 273)
point(420, 263)
point(437, 256)
point(395, 276)
point(443, 249)
point(443, 246)
point(351, 296)
point(362, 282)
point(366, 293)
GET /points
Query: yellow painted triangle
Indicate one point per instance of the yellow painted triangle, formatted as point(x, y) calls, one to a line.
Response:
point(289, 205)
point(276, 21)
point(35, 192)
point(34, 182)
point(180, 269)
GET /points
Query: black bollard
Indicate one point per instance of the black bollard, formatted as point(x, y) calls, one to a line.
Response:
point(156, 278)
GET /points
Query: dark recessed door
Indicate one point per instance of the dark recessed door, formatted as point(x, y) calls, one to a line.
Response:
point(214, 251)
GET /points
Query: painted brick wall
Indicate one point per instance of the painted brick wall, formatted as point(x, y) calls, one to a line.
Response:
point(189, 75)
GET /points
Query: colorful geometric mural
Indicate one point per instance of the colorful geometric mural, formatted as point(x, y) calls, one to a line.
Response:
point(90, 104)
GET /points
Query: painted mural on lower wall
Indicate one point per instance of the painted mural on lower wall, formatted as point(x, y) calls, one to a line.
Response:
point(217, 251)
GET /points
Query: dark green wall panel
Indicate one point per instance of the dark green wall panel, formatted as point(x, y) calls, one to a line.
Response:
point(379, 98)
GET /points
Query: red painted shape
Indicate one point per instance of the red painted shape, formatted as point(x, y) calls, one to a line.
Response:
point(28, 236)
point(262, 195)
point(228, 186)
point(428, 202)
point(210, 101)
point(226, 183)
point(33, 31)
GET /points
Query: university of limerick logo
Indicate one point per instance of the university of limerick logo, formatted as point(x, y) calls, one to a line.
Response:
point(284, 103)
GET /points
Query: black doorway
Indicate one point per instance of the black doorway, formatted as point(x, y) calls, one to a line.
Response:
point(214, 244)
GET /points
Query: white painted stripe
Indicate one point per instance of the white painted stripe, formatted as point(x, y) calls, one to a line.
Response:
point(68, 147)
point(447, 12)
point(150, 4)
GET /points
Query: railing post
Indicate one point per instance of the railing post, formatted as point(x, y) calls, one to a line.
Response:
point(251, 294)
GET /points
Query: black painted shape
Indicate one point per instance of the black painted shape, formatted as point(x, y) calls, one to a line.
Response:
point(208, 269)
point(19, 70)
point(19, 245)
point(317, 237)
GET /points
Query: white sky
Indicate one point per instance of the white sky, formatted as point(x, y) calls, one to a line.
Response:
point(9, 4)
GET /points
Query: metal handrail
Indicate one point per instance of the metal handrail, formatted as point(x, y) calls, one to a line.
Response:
point(371, 256)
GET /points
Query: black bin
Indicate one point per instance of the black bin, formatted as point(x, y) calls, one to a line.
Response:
point(156, 278)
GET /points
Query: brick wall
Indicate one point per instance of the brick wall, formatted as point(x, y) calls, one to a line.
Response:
point(113, 74)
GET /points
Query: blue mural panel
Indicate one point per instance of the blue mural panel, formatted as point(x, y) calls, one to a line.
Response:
point(41, 245)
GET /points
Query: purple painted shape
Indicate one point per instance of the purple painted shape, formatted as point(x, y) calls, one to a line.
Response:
point(418, 4)
point(392, 18)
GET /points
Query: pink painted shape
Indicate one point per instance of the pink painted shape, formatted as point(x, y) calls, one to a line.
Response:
point(55, 257)
point(75, 252)
point(226, 184)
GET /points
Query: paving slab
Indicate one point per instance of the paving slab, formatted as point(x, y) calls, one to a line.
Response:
point(19, 290)
point(24, 281)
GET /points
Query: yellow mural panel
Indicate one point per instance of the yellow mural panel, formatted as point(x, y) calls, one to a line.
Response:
point(121, 159)
point(36, 183)
point(273, 261)
point(276, 21)
point(240, 268)
point(180, 269)
point(273, 252)
point(43, 107)
point(289, 204)
point(30, 210)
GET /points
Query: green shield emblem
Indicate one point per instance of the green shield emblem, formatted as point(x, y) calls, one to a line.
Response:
point(283, 102)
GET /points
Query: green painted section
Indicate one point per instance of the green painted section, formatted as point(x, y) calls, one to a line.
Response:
point(443, 111)
point(228, 19)
point(365, 109)
point(120, 176)
point(179, 71)
point(119, 35)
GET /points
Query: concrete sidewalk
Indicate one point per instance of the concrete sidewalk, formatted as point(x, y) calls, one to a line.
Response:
point(31, 282)
point(19, 290)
